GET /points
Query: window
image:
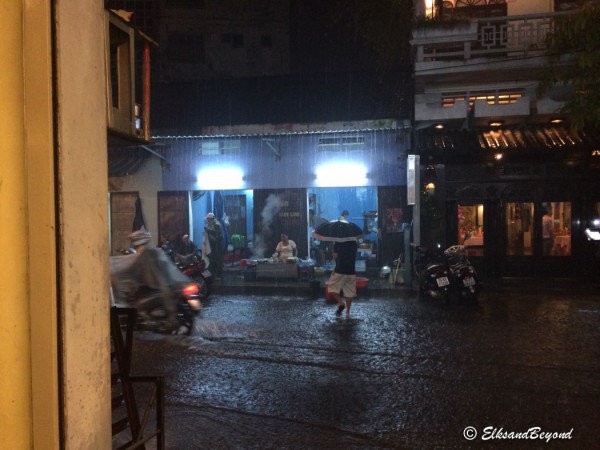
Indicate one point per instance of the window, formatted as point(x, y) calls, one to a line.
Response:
point(470, 228)
point(220, 147)
point(556, 229)
point(519, 229)
point(341, 144)
point(496, 97)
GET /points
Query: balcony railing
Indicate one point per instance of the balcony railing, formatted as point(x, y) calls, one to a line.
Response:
point(487, 37)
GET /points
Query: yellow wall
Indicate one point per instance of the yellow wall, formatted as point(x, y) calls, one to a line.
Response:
point(41, 227)
point(54, 332)
point(15, 364)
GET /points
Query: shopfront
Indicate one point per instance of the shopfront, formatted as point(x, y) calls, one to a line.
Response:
point(260, 186)
point(519, 221)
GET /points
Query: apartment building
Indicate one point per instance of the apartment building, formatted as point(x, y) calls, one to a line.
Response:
point(499, 157)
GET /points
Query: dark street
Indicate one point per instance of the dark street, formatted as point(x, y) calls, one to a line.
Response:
point(278, 372)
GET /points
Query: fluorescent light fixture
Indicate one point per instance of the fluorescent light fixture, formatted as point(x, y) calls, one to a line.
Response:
point(219, 177)
point(496, 123)
point(341, 174)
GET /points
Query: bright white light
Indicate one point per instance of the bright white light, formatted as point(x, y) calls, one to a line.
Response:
point(429, 8)
point(341, 174)
point(596, 222)
point(214, 178)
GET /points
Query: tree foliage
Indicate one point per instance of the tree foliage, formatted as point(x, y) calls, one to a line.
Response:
point(574, 55)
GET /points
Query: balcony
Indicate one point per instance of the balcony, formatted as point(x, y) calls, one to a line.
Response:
point(496, 46)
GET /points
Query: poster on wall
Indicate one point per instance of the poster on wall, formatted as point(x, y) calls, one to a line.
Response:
point(279, 211)
point(393, 220)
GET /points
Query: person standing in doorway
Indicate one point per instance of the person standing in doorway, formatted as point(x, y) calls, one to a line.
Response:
point(214, 232)
point(343, 278)
point(548, 231)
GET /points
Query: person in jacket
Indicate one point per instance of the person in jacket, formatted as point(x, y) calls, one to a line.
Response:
point(214, 232)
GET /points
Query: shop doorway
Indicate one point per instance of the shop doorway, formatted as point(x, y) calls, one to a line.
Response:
point(537, 239)
point(330, 203)
point(470, 229)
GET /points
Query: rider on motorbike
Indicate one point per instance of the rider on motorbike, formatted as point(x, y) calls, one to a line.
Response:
point(147, 268)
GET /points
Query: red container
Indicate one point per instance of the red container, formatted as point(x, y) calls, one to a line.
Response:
point(362, 282)
point(243, 263)
point(328, 296)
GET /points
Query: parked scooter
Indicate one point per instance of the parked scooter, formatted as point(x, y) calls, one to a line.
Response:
point(432, 273)
point(464, 280)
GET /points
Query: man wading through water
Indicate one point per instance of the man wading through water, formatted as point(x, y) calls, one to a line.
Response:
point(343, 278)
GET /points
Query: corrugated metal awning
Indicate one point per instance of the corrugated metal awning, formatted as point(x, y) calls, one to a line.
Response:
point(523, 143)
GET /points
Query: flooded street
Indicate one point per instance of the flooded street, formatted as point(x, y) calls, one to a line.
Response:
point(264, 372)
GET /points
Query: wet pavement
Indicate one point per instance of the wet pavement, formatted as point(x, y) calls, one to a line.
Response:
point(282, 372)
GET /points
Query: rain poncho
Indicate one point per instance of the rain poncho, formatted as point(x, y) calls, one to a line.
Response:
point(152, 269)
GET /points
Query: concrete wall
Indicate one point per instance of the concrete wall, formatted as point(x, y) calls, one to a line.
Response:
point(83, 219)
point(147, 181)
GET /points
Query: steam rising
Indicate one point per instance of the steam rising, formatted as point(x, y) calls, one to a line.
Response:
point(272, 206)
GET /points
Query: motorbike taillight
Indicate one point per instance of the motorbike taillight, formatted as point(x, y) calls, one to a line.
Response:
point(191, 289)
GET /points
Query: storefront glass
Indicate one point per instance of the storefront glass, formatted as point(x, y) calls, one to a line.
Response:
point(519, 229)
point(470, 228)
point(556, 228)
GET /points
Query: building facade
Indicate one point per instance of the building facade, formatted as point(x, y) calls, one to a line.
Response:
point(501, 158)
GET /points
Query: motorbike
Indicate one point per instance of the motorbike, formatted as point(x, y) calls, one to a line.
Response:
point(152, 315)
point(166, 299)
point(195, 268)
point(464, 281)
point(432, 273)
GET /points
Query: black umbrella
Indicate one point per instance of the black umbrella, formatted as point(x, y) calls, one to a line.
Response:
point(337, 231)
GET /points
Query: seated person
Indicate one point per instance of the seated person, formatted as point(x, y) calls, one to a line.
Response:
point(286, 248)
point(186, 250)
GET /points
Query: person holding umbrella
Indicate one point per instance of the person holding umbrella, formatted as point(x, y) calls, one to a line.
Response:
point(343, 279)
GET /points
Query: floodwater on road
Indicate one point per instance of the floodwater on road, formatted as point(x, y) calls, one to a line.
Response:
point(267, 372)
